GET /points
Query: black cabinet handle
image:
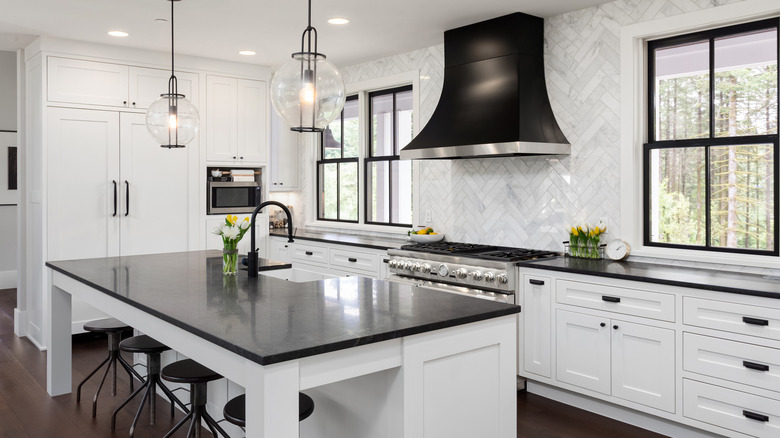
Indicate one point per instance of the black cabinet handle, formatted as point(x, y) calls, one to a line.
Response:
point(755, 366)
point(309, 253)
point(615, 326)
point(352, 259)
point(114, 182)
point(603, 324)
point(127, 198)
point(754, 416)
point(234, 158)
point(241, 158)
point(754, 321)
point(133, 103)
point(536, 282)
point(124, 102)
point(385, 260)
point(609, 299)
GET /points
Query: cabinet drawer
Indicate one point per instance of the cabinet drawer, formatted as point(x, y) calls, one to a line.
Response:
point(353, 260)
point(309, 253)
point(734, 410)
point(744, 319)
point(616, 299)
point(735, 361)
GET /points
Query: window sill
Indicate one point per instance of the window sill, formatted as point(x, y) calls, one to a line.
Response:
point(736, 260)
point(396, 232)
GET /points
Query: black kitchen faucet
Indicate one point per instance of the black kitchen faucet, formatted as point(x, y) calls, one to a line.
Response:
point(252, 257)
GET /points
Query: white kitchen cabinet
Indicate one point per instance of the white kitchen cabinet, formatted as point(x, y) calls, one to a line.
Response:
point(236, 120)
point(279, 249)
point(634, 362)
point(283, 175)
point(536, 329)
point(81, 82)
point(112, 190)
point(330, 259)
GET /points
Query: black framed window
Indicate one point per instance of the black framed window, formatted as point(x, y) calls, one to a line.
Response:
point(388, 179)
point(710, 164)
point(337, 169)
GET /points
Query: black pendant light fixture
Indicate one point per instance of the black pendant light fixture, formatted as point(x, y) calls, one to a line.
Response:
point(308, 91)
point(172, 119)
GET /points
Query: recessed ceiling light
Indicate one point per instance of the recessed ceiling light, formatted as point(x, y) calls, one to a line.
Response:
point(118, 33)
point(247, 52)
point(338, 21)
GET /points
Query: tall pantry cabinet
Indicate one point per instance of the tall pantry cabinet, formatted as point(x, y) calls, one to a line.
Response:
point(99, 184)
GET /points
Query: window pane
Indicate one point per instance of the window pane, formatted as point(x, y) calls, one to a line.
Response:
point(742, 196)
point(348, 191)
point(382, 125)
point(746, 84)
point(678, 198)
point(351, 131)
point(328, 197)
point(682, 92)
point(378, 192)
point(401, 198)
point(403, 120)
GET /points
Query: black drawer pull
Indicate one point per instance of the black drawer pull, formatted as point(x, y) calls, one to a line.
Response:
point(609, 299)
point(352, 259)
point(309, 253)
point(536, 282)
point(385, 260)
point(754, 321)
point(754, 416)
point(755, 366)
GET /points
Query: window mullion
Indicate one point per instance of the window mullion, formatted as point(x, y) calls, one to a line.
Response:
point(707, 200)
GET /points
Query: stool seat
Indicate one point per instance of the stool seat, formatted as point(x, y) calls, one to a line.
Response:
point(188, 371)
point(142, 344)
point(106, 325)
point(235, 409)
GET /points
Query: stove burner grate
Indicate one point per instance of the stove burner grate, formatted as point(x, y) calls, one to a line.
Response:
point(448, 248)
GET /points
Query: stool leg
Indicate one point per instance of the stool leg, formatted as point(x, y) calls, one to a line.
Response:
point(178, 425)
point(130, 370)
point(213, 425)
point(172, 398)
point(102, 381)
point(147, 393)
point(124, 403)
point(195, 425)
point(78, 389)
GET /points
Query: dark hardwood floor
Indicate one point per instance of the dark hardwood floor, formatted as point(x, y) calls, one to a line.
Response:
point(26, 410)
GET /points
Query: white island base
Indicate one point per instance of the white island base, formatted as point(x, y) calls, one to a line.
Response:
point(457, 382)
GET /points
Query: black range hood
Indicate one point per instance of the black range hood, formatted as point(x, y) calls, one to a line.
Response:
point(494, 99)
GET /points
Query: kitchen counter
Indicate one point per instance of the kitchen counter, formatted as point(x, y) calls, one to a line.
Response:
point(275, 338)
point(699, 278)
point(381, 243)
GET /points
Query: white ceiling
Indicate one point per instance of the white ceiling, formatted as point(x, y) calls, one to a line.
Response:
point(220, 28)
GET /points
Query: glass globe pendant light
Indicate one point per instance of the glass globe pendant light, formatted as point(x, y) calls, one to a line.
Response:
point(172, 119)
point(308, 91)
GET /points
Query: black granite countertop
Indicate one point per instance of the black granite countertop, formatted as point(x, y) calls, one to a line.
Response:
point(269, 320)
point(699, 278)
point(381, 243)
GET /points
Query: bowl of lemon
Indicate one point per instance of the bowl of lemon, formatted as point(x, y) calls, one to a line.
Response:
point(425, 235)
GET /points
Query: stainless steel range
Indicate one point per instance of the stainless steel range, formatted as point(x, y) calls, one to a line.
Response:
point(482, 271)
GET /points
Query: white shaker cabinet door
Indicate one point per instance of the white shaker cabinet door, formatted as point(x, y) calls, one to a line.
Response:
point(221, 119)
point(252, 122)
point(583, 351)
point(147, 84)
point(154, 192)
point(86, 82)
point(83, 183)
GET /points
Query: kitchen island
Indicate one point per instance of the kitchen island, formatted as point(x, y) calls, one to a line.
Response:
point(448, 360)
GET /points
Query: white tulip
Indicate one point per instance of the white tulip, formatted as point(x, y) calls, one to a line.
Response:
point(244, 225)
point(231, 233)
point(585, 228)
point(217, 231)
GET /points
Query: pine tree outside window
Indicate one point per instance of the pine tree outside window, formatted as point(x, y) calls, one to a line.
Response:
point(710, 163)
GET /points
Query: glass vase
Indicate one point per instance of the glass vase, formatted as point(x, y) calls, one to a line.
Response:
point(585, 250)
point(229, 261)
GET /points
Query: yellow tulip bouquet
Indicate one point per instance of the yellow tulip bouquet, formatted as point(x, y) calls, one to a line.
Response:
point(231, 231)
point(584, 240)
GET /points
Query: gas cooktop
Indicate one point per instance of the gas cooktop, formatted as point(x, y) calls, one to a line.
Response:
point(478, 251)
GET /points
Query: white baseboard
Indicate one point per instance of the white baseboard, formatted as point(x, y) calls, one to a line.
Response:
point(35, 335)
point(7, 279)
point(619, 413)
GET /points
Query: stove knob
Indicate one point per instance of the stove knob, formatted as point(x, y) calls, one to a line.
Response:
point(416, 267)
point(475, 275)
point(460, 273)
point(444, 270)
point(426, 268)
point(501, 279)
point(393, 263)
point(401, 265)
point(489, 277)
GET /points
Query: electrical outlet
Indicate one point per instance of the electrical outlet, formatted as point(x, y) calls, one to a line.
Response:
point(427, 216)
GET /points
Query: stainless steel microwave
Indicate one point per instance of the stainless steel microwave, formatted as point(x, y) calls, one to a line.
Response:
point(233, 197)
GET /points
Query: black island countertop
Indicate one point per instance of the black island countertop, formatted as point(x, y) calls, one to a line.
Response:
point(671, 275)
point(269, 320)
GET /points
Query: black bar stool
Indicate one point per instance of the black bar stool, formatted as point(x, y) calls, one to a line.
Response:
point(197, 376)
point(235, 409)
point(152, 349)
point(114, 328)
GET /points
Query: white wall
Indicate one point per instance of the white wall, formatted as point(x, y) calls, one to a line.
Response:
point(8, 219)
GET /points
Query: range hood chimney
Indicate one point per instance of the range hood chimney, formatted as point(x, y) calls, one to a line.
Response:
point(494, 99)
